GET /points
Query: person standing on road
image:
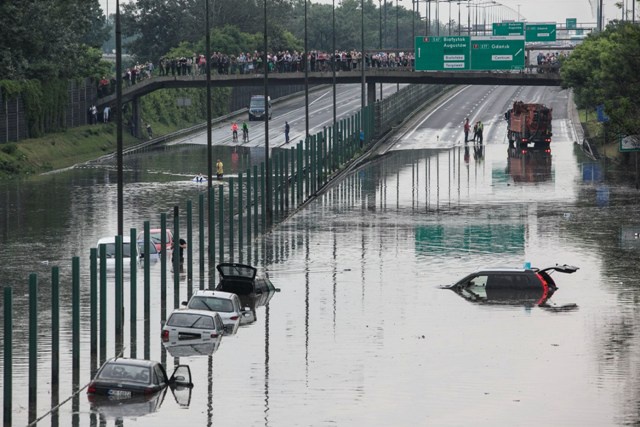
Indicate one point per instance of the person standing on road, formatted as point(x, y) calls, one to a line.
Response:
point(219, 169)
point(149, 131)
point(234, 131)
point(467, 127)
point(245, 132)
point(480, 129)
point(286, 132)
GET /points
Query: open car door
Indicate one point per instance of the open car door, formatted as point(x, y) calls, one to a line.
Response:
point(561, 268)
point(181, 385)
point(181, 376)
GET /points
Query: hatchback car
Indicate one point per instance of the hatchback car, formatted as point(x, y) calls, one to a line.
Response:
point(510, 285)
point(185, 326)
point(128, 250)
point(155, 234)
point(226, 304)
point(253, 290)
point(123, 378)
point(241, 279)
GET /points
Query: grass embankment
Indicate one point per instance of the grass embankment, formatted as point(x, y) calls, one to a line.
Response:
point(63, 149)
point(595, 133)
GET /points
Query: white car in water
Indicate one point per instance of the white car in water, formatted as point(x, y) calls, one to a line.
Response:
point(110, 243)
point(226, 304)
point(192, 332)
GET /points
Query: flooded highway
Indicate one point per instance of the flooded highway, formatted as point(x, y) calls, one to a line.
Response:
point(361, 332)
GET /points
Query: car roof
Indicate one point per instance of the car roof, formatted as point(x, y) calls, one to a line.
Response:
point(207, 313)
point(128, 361)
point(217, 294)
point(112, 239)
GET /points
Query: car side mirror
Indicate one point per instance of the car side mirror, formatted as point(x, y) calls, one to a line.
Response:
point(183, 303)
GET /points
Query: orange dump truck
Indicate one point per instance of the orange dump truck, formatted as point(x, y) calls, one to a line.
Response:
point(529, 125)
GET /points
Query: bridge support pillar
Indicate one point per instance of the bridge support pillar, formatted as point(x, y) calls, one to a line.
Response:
point(371, 93)
point(136, 117)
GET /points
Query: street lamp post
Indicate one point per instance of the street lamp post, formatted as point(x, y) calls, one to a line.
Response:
point(208, 70)
point(119, 145)
point(335, 108)
point(380, 42)
point(269, 213)
point(306, 75)
point(397, 39)
point(362, 90)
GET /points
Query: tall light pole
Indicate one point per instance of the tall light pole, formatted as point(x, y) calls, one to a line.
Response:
point(269, 213)
point(397, 38)
point(335, 108)
point(380, 42)
point(306, 75)
point(119, 120)
point(208, 69)
point(459, 24)
point(363, 99)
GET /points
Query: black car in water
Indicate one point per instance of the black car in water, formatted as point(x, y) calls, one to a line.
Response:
point(511, 286)
point(124, 378)
point(252, 289)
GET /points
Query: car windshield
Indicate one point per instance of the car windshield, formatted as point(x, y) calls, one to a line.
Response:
point(111, 250)
point(152, 247)
point(190, 320)
point(121, 371)
point(211, 303)
point(257, 102)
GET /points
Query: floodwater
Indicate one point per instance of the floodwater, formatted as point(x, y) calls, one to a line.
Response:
point(361, 333)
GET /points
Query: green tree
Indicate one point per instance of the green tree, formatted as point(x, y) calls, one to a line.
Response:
point(156, 26)
point(604, 70)
point(44, 39)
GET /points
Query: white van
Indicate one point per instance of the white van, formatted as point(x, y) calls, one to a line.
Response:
point(256, 107)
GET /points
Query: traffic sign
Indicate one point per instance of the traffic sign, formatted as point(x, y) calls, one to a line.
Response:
point(497, 53)
point(540, 32)
point(572, 23)
point(442, 53)
point(508, 28)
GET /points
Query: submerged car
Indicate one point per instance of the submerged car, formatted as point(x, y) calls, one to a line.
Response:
point(124, 378)
point(155, 234)
point(128, 250)
point(226, 304)
point(192, 332)
point(253, 290)
point(517, 286)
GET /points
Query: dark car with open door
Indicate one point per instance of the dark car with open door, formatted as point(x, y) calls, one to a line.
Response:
point(512, 286)
point(253, 290)
point(122, 378)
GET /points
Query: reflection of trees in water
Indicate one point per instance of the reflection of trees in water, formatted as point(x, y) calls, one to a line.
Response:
point(598, 229)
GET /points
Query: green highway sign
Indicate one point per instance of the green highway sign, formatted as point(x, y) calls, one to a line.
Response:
point(497, 53)
point(540, 32)
point(572, 23)
point(442, 53)
point(508, 28)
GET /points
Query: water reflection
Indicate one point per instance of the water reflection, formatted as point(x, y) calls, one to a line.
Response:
point(529, 165)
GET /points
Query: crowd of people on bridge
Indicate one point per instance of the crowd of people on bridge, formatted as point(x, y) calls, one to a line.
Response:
point(284, 61)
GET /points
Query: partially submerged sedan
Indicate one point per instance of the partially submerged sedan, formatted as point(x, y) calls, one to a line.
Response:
point(517, 286)
point(124, 378)
point(192, 332)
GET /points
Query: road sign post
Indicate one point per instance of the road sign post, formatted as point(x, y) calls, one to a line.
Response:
point(540, 32)
point(442, 53)
point(497, 53)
